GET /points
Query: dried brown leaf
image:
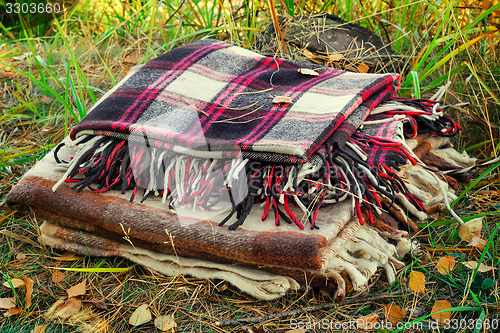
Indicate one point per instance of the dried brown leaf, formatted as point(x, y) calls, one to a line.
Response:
point(98, 304)
point(77, 290)
point(282, 99)
point(438, 306)
point(363, 68)
point(394, 313)
point(58, 276)
point(21, 256)
point(335, 57)
point(260, 329)
point(165, 323)
point(68, 308)
point(471, 228)
point(13, 312)
point(39, 329)
point(8, 302)
point(140, 316)
point(417, 282)
point(445, 264)
point(29, 291)
point(15, 283)
point(367, 322)
point(307, 71)
point(478, 243)
point(482, 268)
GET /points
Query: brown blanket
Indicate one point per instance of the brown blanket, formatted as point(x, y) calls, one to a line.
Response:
point(106, 223)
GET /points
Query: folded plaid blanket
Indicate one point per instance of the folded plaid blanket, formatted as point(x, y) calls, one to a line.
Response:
point(212, 126)
point(210, 133)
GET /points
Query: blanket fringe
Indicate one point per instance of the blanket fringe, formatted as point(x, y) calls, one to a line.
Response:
point(332, 175)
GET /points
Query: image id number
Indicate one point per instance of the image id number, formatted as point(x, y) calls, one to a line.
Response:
point(32, 8)
point(471, 324)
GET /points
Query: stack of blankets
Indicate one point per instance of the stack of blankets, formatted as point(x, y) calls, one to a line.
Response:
point(216, 162)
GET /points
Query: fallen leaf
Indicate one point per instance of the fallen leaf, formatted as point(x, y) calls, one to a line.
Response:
point(77, 290)
point(7, 303)
point(222, 287)
point(363, 68)
point(445, 264)
point(335, 57)
point(308, 54)
point(438, 306)
point(394, 313)
point(260, 329)
point(13, 312)
point(39, 329)
point(348, 283)
point(140, 316)
point(482, 268)
point(29, 291)
point(307, 71)
point(417, 282)
point(58, 276)
point(98, 304)
point(282, 99)
point(471, 228)
point(478, 243)
point(15, 283)
point(21, 256)
point(165, 323)
point(46, 100)
point(367, 322)
point(69, 308)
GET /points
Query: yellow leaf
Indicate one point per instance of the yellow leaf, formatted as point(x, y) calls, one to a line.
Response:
point(7, 303)
point(363, 68)
point(473, 227)
point(165, 323)
point(15, 283)
point(438, 306)
point(482, 268)
point(417, 282)
point(140, 316)
point(282, 99)
point(445, 264)
point(307, 71)
point(308, 54)
point(77, 290)
point(394, 313)
point(58, 276)
point(39, 329)
point(68, 308)
point(367, 322)
point(335, 57)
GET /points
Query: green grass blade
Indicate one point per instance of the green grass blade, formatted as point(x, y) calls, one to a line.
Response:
point(477, 180)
